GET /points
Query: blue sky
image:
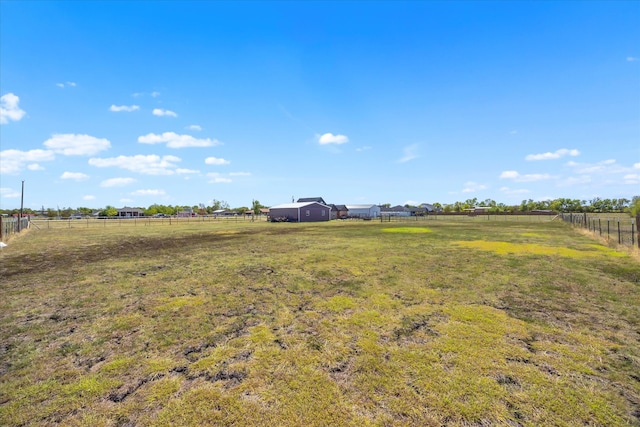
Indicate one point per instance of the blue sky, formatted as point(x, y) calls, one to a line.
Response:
point(135, 103)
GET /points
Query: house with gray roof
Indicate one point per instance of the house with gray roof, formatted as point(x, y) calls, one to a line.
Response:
point(312, 199)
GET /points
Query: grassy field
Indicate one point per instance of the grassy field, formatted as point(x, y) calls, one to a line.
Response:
point(343, 323)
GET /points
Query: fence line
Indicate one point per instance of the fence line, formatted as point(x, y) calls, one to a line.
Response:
point(11, 226)
point(624, 231)
point(108, 222)
point(533, 217)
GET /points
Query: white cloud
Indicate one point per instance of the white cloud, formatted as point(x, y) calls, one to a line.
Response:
point(632, 178)
point(12, 161)
point(636, 165)
point(66, 84)
point(240, 174)
point(160, 112)
point(146, 165)
point(194, 127)
point(174, 140)
point(365, 148)
point(575, 180)
point(410, 153)
point(217, 179)
point(71, 144)
point(127, 108)
point(507, 190)
point(117, 182)
point(517, 177)
point(186, 171)
point(555, 155)
point(139, 94)
point(88, 197)
point(9, 193)
point(632, 58)
point(608, 166)
point(35, 167)
point(216, 161)
point(472, 187)
point(76, 176)
point(9, 109)
point(148, 193)
point(329, 138)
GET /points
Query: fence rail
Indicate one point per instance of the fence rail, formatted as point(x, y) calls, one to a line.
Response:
point(12, 226)
point(622, 230)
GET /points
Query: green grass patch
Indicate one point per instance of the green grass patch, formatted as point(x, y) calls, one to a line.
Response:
point(407, 230)
point(508, 248)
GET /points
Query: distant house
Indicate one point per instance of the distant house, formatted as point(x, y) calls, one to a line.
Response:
point(301, 212)
point(127, 212)
point(186, 213)
point(339, 211)
point(312, 199)
point(395, 211)
point(223, 212)
point(429, 207)
point(363, 211)
point(482, 209)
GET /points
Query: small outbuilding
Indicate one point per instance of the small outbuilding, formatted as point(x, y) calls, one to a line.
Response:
point(363, 211)
point(300, 212)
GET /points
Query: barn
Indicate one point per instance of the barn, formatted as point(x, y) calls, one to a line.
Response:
point(300, 212)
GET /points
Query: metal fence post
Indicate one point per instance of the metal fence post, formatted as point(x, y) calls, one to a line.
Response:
point(619, 235)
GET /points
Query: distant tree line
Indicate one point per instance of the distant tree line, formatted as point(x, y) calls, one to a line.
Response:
point(595, 205)
point(111, 211)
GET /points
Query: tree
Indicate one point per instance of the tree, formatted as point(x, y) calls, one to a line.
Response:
point(634, 208)
point(109, 211)
point(219, 204)
point(621, 204)
point(255, 207)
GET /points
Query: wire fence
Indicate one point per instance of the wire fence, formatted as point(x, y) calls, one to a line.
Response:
point(12, 226)
point(622, 230)
point(524, 217)
point(111, 222)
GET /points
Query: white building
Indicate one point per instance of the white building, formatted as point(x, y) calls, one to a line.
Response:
point(364, 211)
